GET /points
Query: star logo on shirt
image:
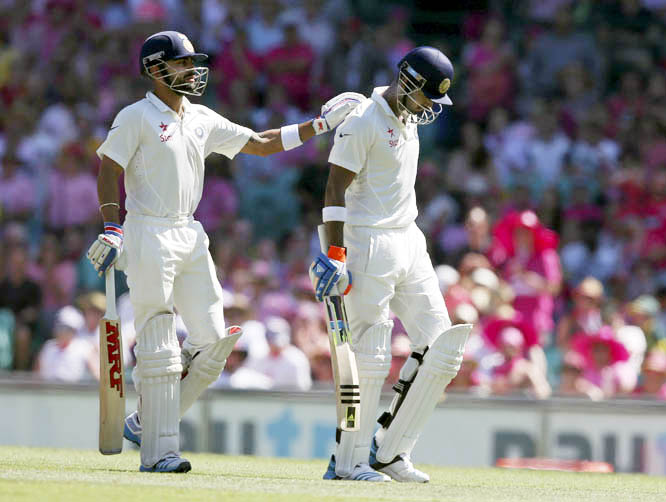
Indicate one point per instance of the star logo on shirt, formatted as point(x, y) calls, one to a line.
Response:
point(163, 126)
point(390, 131)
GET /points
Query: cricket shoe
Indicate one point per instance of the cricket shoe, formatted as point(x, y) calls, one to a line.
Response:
point(170, 463)
point(400, 468)
point(132, 430)
point(362, 472)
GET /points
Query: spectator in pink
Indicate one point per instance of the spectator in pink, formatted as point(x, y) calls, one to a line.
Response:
point(236, 61)
point(72, 191)
point(490, 62)
point(526, 254)
point(290, 65)
point(17, 190)
point(514, 370)
point(531, 347)
point(602, 375)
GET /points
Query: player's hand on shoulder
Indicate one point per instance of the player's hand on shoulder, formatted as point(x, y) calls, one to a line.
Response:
point(334, 111)
point(329, 274)
point(107, 247)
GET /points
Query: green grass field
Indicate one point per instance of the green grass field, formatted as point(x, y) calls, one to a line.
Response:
point(31, 474)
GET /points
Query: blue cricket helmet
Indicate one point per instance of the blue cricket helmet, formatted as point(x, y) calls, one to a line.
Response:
point(168, 45)
point(431, 70)
point(165, 46)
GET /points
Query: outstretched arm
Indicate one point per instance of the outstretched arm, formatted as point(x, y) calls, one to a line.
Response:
point(270, 141)
point(291, 136)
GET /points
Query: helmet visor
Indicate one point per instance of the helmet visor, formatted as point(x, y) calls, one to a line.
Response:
point(408, 86)
point(191, 81)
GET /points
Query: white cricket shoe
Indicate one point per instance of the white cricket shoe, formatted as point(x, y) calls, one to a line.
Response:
point(403, 470)
point(362, 472)
point(400, 468)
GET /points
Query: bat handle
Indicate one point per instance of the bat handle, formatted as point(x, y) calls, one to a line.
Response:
point(323, 238)
point(111, 293)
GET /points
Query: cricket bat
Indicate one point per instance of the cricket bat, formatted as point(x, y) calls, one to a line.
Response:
point(345, 372)
point(111, 381)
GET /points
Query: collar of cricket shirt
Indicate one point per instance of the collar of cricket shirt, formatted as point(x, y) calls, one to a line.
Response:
point(163, 107)
point(377, 96)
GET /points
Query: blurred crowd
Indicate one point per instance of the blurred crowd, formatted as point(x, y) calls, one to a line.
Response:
point(542, 191)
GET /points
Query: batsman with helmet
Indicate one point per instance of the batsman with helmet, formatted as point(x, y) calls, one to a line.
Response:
point(160, 143)
point(370, 211)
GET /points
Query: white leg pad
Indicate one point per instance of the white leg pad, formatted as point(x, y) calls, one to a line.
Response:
point(373, 360)
point(440, 365)
point(205, 367)
point(159, 368)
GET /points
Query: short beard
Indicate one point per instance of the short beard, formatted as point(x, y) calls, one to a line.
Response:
point(183, 87)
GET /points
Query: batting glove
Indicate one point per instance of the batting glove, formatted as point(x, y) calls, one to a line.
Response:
point(105, 250)
point(334, 111)
point(329, 274)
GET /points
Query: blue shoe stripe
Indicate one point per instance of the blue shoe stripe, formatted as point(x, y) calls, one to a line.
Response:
point(130, 436)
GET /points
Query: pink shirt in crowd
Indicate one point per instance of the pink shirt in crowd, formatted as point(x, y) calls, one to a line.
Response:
point(218, 203)
point(72, 201)
point(296, 83)
point(537, 308)
point(17, 194)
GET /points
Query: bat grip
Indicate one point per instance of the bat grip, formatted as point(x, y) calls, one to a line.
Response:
point(323, 238)
point(111, 294)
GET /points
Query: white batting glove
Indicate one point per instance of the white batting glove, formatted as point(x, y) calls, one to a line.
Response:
point(334, 111)
point(105, 250)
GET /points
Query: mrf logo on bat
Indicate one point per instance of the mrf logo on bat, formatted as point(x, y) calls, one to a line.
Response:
point(113, 350)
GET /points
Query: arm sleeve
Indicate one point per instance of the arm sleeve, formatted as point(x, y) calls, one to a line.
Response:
point(123, 139)
point(352, 140)
point(226, 137)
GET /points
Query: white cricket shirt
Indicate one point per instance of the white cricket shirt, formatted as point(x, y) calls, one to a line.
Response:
point(383, 152)
point(163, 155)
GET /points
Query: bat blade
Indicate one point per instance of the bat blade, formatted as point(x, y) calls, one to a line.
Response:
point(348, 396)
point(343, 360)
point(111, 376)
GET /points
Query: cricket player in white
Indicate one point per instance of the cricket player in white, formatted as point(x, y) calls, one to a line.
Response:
point(160, 143)
point(370, 209)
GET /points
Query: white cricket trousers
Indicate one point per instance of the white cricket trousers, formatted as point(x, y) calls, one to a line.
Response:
point(167, 263)
point(391, 269)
